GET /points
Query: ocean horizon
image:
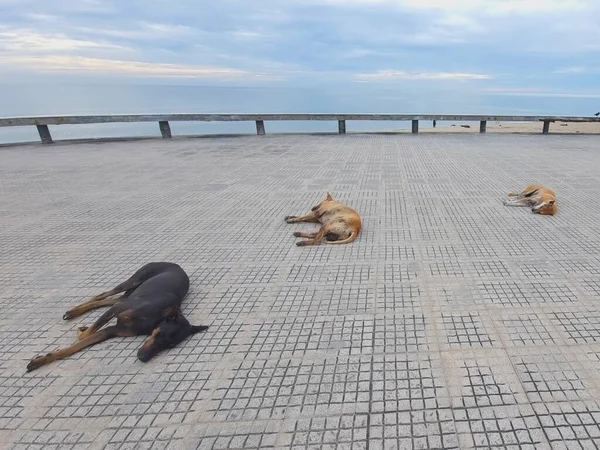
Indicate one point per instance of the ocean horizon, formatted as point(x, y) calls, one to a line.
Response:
point(62, 98)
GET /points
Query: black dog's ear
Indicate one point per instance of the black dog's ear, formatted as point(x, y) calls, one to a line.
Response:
point(198, 329)
point(172, 313)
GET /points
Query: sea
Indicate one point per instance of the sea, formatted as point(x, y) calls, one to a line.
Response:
point(72, 98)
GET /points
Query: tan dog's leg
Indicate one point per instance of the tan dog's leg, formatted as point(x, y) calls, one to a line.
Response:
point(523, 194)
point(305, 235)
point(310, 217)
point(518, 202)
point(100, 336)
point(318, 237)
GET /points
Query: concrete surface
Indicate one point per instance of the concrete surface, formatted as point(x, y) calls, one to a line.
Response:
point(452, 322)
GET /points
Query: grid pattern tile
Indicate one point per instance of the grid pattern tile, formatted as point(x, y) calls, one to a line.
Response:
point(451, 322)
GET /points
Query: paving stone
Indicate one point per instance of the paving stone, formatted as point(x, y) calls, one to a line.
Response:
point(451, 322)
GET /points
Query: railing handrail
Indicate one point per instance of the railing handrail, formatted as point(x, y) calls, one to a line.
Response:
point(42, 122)
point(185, 117)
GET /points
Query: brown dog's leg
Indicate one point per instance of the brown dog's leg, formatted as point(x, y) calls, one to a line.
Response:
point(100, 336)
point(305, 235)
point(523, 194)
point(317, 238)
point(88, 306)
point(310, 217)
point(518, 202)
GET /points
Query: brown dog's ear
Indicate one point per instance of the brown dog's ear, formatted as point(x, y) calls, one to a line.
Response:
point(551, 202)
point(329, 197)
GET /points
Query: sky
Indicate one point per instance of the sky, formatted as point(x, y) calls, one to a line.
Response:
point(512, 47)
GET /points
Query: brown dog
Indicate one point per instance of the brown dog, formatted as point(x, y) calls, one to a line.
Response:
point(341, 224)
point(541, 199)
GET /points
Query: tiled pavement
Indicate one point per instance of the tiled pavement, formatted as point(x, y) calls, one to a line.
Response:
point(452, 322)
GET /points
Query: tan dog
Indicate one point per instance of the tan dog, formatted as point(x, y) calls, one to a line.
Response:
point(541, 199)
point(341, 224)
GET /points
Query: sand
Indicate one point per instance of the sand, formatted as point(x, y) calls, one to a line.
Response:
point(513, 127)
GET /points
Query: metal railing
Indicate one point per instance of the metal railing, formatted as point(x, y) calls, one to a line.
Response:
point(42, 122)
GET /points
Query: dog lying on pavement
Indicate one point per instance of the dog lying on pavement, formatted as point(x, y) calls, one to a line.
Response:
point(340, 223)
point(540, 199)
point(149, 306)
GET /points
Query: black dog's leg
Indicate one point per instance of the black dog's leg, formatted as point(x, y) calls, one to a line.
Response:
point(127, 286)
point(88, 306)
point(100, 336)
point(84, 332)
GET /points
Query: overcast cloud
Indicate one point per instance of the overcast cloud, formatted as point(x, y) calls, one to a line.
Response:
point(498, 45)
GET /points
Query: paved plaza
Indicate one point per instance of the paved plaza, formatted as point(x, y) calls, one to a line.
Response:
point(451, 322)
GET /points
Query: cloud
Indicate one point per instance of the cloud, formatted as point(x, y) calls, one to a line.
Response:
point(493, 7)
point(40, 17)
point(571, 70)
point(108, 66)
point(165, 28)
point(499, 7)
point(537, 92)
point(549, 26)
point(25, 40)
point(308, 41)
point(401, 75)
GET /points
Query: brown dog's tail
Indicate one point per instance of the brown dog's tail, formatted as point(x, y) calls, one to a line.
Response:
point(350, 238)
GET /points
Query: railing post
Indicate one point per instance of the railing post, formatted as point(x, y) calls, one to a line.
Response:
point(482, 126)
point(341, 126)
point(165, 129)
point(45, 135)
point(415, 126)
point(260, 127)
point(546, 129)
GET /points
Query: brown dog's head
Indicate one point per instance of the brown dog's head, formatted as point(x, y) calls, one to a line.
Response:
point(329, 198)
point(173, 329)
point(546, 207)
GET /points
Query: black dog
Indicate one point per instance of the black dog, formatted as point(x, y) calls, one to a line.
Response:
point(149, 306)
